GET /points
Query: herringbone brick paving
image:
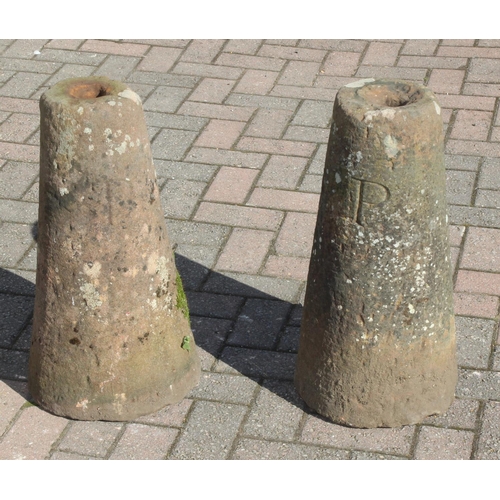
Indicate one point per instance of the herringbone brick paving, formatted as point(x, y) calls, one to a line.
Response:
point(239, 131)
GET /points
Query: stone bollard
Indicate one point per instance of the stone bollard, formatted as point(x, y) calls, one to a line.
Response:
point(377, 340)
point(111, 334)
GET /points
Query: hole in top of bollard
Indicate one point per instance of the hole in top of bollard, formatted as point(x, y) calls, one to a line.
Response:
point(390, 95)
point(90, 90)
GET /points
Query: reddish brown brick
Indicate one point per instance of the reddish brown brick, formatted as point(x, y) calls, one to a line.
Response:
point(231, 185)
point(269, 123)
point(456, 234)
point(472, 125)
point(473, 148)
point(159, 59)
point(420, 47)
point(299, 73)
point(223, 157)
point(341, 63)
point(466, 102)
point(297, 53)
point(287, 267)
point(231, 215)
point(482, 249)
point(32, 435)
point(381, 54)
point(208, 70)
point(220, 134)
point(478, 282)
point(443, 444)
point(276, 146)
point(19, 152)
point(284, 200)
point(476, 52)
point(220, 111)
point(446, 81)
point(245, 250)
point(256, 82)
point(108, 47)
point(483, 306)
point(212, 90)
point(296, 235)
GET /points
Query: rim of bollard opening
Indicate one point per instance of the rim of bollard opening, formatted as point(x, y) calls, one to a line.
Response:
point(384, 94)
point(89, 90)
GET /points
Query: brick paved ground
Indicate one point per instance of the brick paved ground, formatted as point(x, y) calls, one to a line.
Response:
point(239, 131)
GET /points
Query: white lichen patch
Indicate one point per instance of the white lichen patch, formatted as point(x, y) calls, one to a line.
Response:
point(111, 103)
point(63, 191)
point(438, 109)
point(91, 296)
point(391, 146)
point(82, 404)
point(80, 110)
point(91, 147)
point(130, 94)
point(121, 148)
point(337, 178)
point(87, 130)
point(92, 269)
point(360, 83)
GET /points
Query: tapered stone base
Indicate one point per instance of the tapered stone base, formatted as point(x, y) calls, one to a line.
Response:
point(377, 341)
point(111, 334)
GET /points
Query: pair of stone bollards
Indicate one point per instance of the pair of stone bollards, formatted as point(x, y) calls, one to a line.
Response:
point(111, 335)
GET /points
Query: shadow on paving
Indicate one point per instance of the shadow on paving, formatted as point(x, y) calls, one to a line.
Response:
point(238, 328)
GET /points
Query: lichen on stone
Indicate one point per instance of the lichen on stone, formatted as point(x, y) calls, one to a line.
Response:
point(182, 303)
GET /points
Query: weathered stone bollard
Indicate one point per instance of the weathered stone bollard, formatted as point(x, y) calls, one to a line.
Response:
point(111, 334)
point(377, 342)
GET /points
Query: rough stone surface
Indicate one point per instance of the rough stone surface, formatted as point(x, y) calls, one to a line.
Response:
point(377, 345)
point(111, 335)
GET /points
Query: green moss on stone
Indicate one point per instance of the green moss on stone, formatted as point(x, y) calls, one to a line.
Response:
point(182, 303)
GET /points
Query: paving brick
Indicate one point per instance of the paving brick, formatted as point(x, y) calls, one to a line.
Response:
point(276, 146)
point(446, 81)
point(12, 398)
point(307, 134)
point(259, 323)
point(299, 73)
point(71, 56)
point(220, 111)
point(432, 62)
point(282, 172)
point(256, 81)
point(118, 67)
point(18, 211)
point(208, 70)
point(406, 73)
point(90, 438)
point(144, 442)
point(458, 42)
point(32, 193)
point(300, 92)
point(311, 183)
point(474, 338)
point(18, 127)
point(172, 144)
point(341, 63)
point(287, 267)
point(159, 59)
point(397, 441)
point(169, 416)
point(24, 48)
point(225, 388)
point(16, 178)
point(420, 47)
point(108, 47)
point(443, 444)
point(459, 186)
point(473, 52)
point(22, 84)
point(489, 440)
point(179, 197)
point(13, 364)
point(382, 54)
point(484, 70)
point(220, 134)
point(489, 177)
point(245, 250)
point(473, 148)
point(210, 431)
point(294, 53)
point(251, 62)
point(277, 412)
point(263, 101)
point(214, 305)
point(284, 200)
point(231, 185)
point(343, 45)
point(229, 158)
point(481, 250)
point(30, 66)
point(69, 44)
point(166, 99)
point(477, 282)
point(70, 71)
point(289, 340)
point(472, 125)
point(32, 435)
point(165, 79)
point(296, 235)
point(486, 89)
point(163, 120)
point(458, 162)
point(466, 102)
point(247, 46)
point(477, 384)
point(255, 218)
point(15, 312)
point(161, 42)
point(195, 233)
point(363, 455)
point(487, 198)
point(257, 363)
point(269, 123)
point(461, 414)
point(202, 51)
point(16, 238)
point(254, 449)
point(213, 90)
point(314, 114)
point(182, 170)
point(484, 306)
point(19, 152)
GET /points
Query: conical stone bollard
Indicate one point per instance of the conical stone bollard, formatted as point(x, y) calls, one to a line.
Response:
point(111, 334)
point(377, 340)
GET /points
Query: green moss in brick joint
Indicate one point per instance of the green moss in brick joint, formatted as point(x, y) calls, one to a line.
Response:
point(182, 303)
